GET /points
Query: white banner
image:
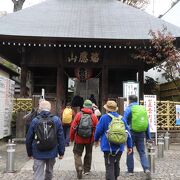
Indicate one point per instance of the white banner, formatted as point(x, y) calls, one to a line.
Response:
point(150, 104)
point(6, 105)
point(130, 88)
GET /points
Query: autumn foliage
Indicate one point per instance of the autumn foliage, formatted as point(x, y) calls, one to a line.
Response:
point(162, 54)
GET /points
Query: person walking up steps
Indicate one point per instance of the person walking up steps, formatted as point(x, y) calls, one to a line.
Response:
point(113, 132)
point(44, 141)
point(67, 116)
point(82, 132)
point(137, 119)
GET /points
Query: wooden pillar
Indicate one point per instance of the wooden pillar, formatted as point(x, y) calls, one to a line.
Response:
point(120, 102)
point(20, 125)
point(104, 85)
point(23, 89)
point(66, 78)
point(100, 93)
point(141, 81)
point(60, 87)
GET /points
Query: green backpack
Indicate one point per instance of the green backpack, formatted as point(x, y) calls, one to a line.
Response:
point(116, 132)
point(139, 118)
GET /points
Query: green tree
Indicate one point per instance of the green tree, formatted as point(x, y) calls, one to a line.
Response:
point(163, 55)
point(136, 3)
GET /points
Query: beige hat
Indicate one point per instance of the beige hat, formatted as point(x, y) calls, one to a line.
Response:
point(111, 106)
point(44, 106)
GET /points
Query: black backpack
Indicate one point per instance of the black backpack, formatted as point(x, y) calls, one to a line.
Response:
point(45, 133)
point(85, 126)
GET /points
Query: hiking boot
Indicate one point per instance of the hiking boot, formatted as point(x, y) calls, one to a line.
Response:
point(130, 173)
point(148, 174)
point(86, 173)
point(79, 173)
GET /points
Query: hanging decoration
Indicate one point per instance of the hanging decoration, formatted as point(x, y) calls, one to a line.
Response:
point(83, 73)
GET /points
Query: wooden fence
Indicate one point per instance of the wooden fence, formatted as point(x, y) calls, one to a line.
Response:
point(166, 113)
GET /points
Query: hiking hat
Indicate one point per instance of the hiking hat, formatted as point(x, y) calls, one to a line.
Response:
point(111, 106)
point(44, 106)
point(87, 104)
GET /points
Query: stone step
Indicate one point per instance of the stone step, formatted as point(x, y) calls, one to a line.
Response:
point(67, 163)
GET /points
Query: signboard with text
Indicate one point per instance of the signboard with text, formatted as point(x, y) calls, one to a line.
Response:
point(150, 104)
point(6, 105)
point(130, 88)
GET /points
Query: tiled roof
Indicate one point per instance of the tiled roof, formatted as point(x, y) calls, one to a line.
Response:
point(94, 19)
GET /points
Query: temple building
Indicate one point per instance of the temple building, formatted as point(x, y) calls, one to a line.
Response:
point(90, 40)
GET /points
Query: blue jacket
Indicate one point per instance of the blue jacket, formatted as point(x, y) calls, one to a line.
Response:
point(31, 146)
point(128, 118)
point(101, 130)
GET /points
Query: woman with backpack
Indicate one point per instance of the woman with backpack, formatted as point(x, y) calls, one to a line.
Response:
point(112, 141)
point(82, 132)
point(67, 116)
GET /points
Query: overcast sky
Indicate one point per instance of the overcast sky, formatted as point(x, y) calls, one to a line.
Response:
point(173, 15)
point(160, 6)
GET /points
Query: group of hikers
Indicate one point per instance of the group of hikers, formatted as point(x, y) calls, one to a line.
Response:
point(48, 135)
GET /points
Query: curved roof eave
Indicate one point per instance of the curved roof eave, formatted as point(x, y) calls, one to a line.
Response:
point(90, 19)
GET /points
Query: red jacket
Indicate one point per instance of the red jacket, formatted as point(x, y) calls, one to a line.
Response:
point(74, 136)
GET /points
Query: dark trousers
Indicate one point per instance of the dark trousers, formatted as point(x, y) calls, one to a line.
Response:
point(138, 141)
point(27, 128)
point(78, 150)
point(66, 129)
point(112, 165)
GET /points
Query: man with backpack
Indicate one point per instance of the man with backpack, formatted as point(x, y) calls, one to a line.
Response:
point(82, 132)
point(114, 133)
point(45, 141)
point(136, 117)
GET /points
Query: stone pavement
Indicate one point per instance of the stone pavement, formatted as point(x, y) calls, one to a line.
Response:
point(167, 168)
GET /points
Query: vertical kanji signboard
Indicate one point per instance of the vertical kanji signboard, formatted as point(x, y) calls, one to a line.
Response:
point(130, 88)
point(6, 105)
point(150, 104)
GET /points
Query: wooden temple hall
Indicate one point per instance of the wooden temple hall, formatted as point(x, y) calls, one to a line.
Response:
point(91, 40)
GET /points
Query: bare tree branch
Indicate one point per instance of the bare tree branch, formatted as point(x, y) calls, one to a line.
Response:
point(136, 3)
point(18, 4)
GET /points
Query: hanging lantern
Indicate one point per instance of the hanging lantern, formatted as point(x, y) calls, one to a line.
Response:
point(83, 74)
